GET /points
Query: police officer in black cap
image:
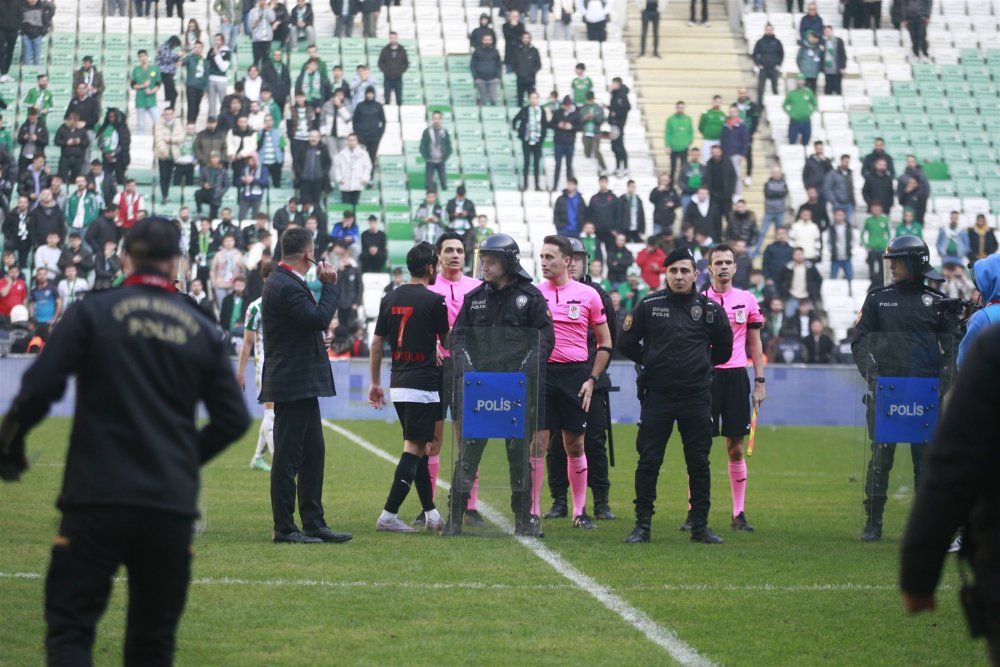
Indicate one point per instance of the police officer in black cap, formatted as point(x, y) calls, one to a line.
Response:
point(677, 336)
point(505, 299)
point(912, 333)
point(596, 435)
point(143, 359)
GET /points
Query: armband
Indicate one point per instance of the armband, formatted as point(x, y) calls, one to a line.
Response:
point(605, 348)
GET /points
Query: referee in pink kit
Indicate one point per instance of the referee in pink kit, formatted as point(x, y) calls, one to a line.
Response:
point(730, 383)
point(575, 308)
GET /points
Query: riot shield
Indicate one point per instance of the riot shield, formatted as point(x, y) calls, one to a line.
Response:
point(495, 395)
point(906, 378)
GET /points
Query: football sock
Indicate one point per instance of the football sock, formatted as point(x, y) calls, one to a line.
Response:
point(269, 429)
point(423, 483)
point(406, 471)
point(537, 478)
point(576, 470)
point(387, 516)
point(474, 494)
point(738, 481)
point(433, 516)
point(434, 465)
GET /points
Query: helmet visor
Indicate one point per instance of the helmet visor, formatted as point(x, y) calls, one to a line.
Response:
point(488, 266)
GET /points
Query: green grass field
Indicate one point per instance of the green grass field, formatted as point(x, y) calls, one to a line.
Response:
point(800, 591)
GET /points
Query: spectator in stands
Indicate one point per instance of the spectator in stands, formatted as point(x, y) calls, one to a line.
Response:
point(810, 58)
point(301, 21)
point(619, 261)
point(741, 224)
point(531, 127)
point(108, 267)
point(227, 266)
point(597, 273)
point(915, 14)
point(818, 346)
point(565, 123)
point(484, 28)
point(633, 291)
point(351, 287)
point(219, 62)
point(374, 247)
point(704, 14)
point(710, 125)
point(602, 211)
point(834, 61)
point(203, 248)
point(436, 149)
point(817, 166)
point(460, 211)
point(104, 228)
point(591, 117)
point(775, 194)
point(44, 305)
point(72, 287)
point(335, 121)
point(397, 280)
point(735, 144)
point(167, 60)
point(253, 84)
point(241, 143)
point(114, 141)
point(650, 14)
point(721, 179)
point(570, 210)
point(346, 233)
point(100, 183)
point(233, 308)
point(800, 104)
point(768, 56)
point(314, 85)
point(259, 24)
point(36, 22)
point(914, 189)
point(811, 21)
point(312, 170)
point(321, 242)
point(618, 110)
point(750, 115)
point(631, 217)
point(678, 136)
point(253, 235)
point(774, 320)
point(595, 17)
point(227, 226)
point(40, 97)
point(301, 120)
point(588, 237)
point(10, 24)
point(525, 63)
point(840, 240)
point(214, 183)
point(34, 180)
point(87, 108)
point(952, 241)
point(91, 78)
point(353, 171)
point(210, 140)
point(82, 207)
point(744, 264)
point(982, 240)
point(47, 256)
point(369, 17)
point(878, 153)
point(393, 63)
point(33, 137)
point(169, 136)
point(145, 81)
point(513, 29)
point(703, 213)
point(13, 292)
point(666, 202)
point(271, 149)
point(581, 85)
point(430, 213)
point(690, 179)
point(878, 186)
point(777, 255)
point(252, 187)
point(74, 144)
point(875, 239)
point(486, 68)
point(481, 232)
point(229, 16)
point(46, 219)
point(956, 283)
point(838, 188)
point(806, 234)
point(799, 281)
point(817, 207)
point(909, 225)
point(287, 215)
point(278, 79)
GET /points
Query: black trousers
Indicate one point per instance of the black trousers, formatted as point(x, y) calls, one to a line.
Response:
point(299, 455)
point(704, 10)
point(875, 267)
point(371, 143)
point(790, 3)
point(351, 197)
point(179, 5)
point(166, 175)
point(203, 197)
point(8, 41)
point(261, 50)
point(311, 191)
point(194, 96)
point(873, 18)
point(831, 84)
point(169, 89)
point(154, 547)
point(598, 31)
point(23, 249)
point(470, 455)
point(763, 76)
point(274, 169)
point(71, 167)
point(524, 88)
point(532, 154)
point(677, 161)
point(650, 19)
point(618, 148)
point(594, 444)
point(393, 86)
point(183, 174)
point(693, 415)
point(918, 35)
point(879, 467)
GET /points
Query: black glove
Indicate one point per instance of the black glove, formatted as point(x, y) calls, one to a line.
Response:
point(640, 387)
point(13, 461)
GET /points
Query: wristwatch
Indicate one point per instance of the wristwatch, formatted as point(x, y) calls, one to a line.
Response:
point(593, 378)
point(759, 380)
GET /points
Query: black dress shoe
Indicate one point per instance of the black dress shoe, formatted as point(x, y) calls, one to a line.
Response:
point(637, 536)
point(324, 534)
point(294, 538)
point(603, 512)
point(559, 510)
point(705, 535)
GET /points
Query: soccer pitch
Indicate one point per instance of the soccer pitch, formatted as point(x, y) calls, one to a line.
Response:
point(800, 591)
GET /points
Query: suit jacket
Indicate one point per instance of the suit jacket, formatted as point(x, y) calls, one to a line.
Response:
point(296, 365)
point(226, 310)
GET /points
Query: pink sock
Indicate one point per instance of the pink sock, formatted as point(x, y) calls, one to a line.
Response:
point(434, 465)
point(474, 494)
point(537, 478)
point(738, 480)
point(576, 470)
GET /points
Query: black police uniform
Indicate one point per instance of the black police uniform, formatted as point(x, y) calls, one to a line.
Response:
point(677, 339)
point(143, 358)
point(913, 333)
point(518, 304)
point(596, 435)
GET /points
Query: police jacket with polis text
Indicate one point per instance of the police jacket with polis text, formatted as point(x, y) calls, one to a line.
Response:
point(518, 304)
point(677, 339)
point(143, 358)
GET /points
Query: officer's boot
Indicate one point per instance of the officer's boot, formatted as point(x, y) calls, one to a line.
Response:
point(641, 531)
point(457, 502)
point(602, 510)
point(873, 527)
point(559, 509)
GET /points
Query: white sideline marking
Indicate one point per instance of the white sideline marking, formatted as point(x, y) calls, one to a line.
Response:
point(663, 637)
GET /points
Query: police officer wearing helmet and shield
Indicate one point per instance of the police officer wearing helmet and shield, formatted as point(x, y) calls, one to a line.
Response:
point(901, 332)
point(596, 435)
point(506, 299)
point(143, 359)
point(677, 336)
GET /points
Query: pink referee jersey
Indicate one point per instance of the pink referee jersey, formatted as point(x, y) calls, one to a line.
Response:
point(575, 307)
point(454, 295)
point(744, 312)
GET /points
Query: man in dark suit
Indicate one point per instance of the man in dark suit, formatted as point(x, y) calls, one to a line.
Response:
point(297, 372)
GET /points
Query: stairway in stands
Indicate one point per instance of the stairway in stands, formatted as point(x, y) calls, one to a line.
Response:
point(697, 63)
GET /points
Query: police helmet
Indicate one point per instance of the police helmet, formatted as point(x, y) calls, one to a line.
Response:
point(505, 248)
point(576, 246)
point(914, 251)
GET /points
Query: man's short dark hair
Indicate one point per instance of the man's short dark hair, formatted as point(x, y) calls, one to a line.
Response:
point(419, 258)
point(719, 247)
point(449, 236)
point(564, 248)
point(265, 269)
point(295, 241)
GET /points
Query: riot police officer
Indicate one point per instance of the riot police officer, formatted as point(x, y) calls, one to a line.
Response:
point(596, 436)
point(677, 336)
point(899, 333)
point(505, 299)
point(143, 359)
